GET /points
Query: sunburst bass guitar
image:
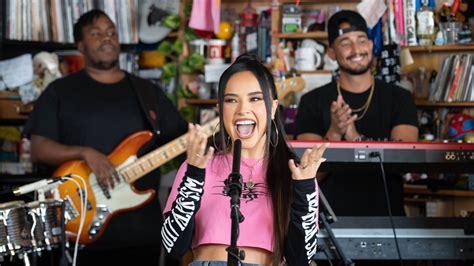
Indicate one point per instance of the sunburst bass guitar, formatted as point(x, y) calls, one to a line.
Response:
point(102, 204)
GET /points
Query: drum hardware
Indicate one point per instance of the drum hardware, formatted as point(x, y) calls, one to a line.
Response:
point(14, 228)
point(70, 211)
point(30, 228)
point(46, 218)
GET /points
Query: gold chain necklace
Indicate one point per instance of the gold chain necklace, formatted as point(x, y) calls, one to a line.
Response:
point(365, 106)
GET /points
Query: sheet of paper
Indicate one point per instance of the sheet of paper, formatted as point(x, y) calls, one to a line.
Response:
point(16, 71)
point(213, 73)
point(372, 11)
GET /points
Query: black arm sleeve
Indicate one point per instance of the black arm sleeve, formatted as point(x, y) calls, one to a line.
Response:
point(301, 239)
point(178, 228)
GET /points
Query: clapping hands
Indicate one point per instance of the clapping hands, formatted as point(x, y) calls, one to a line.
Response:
point(342, 121)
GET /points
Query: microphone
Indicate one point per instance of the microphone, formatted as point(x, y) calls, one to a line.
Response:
point(236, 161)
point(36, 185)
point(234, 182)
point(233, 187)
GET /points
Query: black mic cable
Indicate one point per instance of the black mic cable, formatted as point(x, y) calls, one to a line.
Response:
point(389, 206)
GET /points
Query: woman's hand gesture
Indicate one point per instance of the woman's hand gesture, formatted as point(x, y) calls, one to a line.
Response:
point(309, 164)
point(196, 152)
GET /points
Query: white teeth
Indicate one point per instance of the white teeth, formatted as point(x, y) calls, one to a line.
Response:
point(245, 122)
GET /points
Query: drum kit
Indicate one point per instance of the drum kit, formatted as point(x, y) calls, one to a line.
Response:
point(30, 228)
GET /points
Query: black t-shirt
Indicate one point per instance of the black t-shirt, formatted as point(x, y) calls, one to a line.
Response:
point(390, 106)
point(348, 190)
point(77, 110)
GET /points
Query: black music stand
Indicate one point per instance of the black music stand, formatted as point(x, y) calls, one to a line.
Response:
point(326, 221)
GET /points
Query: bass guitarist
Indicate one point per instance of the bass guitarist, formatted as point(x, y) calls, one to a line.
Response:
point(85, 115)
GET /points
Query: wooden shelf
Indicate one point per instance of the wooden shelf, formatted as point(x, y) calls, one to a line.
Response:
point(318, 1)
point(320, 71)
point(320, 35)
point(173, 34)
point(201, 101)
point(442, 48)
point(67, 46)
point(292, 1)
point(51, 46)
point(428, 103)
point(441, 192)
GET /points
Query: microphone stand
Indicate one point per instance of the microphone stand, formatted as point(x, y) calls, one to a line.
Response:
point(326, 220)
point(234, 190)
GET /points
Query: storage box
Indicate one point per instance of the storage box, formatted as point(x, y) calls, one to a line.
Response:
point(11, 106)
point(291, 23)
point(439, 208)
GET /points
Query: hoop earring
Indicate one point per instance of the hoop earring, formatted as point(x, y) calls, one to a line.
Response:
point(228, 141)
point(276, 133)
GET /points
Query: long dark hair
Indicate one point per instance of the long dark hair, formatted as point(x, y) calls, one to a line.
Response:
point(277, 152)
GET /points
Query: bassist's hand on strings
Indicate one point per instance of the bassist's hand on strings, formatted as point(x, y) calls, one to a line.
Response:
point(101, 166)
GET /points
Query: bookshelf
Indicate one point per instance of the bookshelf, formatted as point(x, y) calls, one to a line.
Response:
point(441, 49)
point(428, 103)
point(438, 203)
point(442, 192)
point(32, 36)
point(277, 12)
point(318, 35)
point(321, 71)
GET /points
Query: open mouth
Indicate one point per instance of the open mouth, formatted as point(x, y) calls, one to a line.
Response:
point(107, 48)
point(357, 58)
point(245, 128)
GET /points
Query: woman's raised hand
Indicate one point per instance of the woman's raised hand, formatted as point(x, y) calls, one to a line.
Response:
point(196, 153)
point(309, 164)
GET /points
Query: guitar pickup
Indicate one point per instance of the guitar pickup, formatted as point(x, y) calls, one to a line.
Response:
point(88, 204)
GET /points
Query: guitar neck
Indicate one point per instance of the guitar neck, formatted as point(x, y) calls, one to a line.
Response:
point(160, 156)
point(154, 159)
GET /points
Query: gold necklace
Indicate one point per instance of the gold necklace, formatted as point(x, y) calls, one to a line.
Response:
point(365, 106)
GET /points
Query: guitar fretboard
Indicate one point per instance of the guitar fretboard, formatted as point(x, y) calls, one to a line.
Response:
point(162, 155)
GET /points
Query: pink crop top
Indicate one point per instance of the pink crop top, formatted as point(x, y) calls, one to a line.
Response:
point(213, 222)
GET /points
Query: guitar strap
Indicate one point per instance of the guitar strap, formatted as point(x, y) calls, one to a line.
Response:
point(148, 99)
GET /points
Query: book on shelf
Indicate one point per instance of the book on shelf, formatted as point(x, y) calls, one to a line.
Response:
point(455, 81)
point(53, 20)
point(451, 90)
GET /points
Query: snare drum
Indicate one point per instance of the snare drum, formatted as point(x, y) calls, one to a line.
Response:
point(45, 219)
point(14, 228)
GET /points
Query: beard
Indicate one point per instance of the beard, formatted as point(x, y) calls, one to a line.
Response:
point(102, 65)
point(97, 63)
point(356, 70)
